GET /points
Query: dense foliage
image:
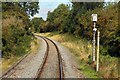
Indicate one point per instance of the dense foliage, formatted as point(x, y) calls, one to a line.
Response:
point(36, 24)
point(77, 20)
point(16, 32)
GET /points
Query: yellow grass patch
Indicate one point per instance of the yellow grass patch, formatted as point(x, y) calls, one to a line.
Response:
point(34, 46)
point(7, 63)
point(82, 49)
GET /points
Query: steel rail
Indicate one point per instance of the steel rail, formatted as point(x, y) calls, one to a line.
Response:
point(13, 67)
point(61, 73)
point(44, 60)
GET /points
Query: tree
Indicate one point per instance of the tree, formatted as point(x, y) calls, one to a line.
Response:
point(36, 24)
point(30, 8)
point(57, 17)
point(83, 7)
point(50, 16)
point(16, 34)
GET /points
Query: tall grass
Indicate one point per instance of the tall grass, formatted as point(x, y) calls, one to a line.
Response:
point(82, 49)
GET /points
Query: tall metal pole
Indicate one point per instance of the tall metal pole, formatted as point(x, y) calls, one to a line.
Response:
point(98, 39)
point(93, 52)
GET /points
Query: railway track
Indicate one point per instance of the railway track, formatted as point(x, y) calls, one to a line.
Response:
point(51, 66)
point(58, 69)
point(11, 70)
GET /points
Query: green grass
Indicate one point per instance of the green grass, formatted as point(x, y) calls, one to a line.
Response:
point(87, 70)
point(82, 50)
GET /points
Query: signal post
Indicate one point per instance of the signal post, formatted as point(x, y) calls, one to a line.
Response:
point(94, 19)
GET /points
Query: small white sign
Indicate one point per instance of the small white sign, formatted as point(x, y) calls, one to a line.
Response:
point(94, 17)
point(95, 29)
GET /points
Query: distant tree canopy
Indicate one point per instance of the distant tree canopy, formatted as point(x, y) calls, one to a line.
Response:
point(77, 20)
point(54, 20)
point(57, 17)
point(36, 24)
point(31, 8)
point(82, 7)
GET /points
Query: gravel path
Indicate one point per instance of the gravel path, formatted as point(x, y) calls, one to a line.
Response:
point(69, 63)
point(30, 65)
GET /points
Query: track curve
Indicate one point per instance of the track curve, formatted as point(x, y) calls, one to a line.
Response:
point(60, 67)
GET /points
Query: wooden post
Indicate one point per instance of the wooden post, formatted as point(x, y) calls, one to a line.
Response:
point(98, 39)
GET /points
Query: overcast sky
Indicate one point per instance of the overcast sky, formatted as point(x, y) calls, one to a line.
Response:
point(50, 5)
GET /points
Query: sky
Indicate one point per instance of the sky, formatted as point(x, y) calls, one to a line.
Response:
point(46, 6)
point(50, 5)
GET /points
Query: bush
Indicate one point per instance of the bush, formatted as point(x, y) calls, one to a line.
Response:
point(15, 37)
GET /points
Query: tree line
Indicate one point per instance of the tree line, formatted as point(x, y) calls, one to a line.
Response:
point(16, 32)
point(77, 21)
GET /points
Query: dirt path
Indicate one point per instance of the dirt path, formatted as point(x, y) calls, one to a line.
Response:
point(70, 67)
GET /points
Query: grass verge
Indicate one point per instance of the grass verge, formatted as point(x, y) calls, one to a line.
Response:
point(82, 49)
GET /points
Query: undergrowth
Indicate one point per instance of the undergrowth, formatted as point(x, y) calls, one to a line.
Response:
point(82, 49)
point(7, 63)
